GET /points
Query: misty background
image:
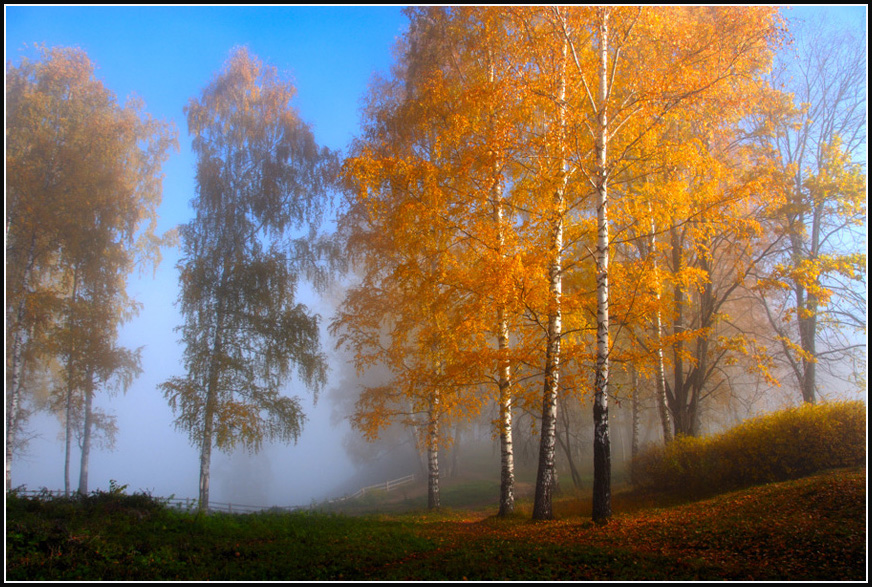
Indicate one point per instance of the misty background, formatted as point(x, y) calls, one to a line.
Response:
point(166, 55)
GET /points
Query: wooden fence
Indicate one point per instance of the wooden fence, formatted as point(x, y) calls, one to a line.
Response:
point(387, 486)
point(190, 503)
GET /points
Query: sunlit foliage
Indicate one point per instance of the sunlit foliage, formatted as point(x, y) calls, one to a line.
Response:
point(782, 445)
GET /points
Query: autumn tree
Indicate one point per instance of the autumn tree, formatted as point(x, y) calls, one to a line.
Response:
point(396, 317)
point(626, 85)
point(814, 295)
point(567, 141)
point(261, 178)
point(429, 178)
point(83, 187)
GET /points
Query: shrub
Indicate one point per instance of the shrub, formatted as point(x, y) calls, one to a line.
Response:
point(779, 446)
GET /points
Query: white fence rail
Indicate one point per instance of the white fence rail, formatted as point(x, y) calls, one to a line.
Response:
point(236, 508)
point(387, 486)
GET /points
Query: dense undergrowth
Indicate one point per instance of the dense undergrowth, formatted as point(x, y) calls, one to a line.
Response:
point(809, 528)
point(782, 445)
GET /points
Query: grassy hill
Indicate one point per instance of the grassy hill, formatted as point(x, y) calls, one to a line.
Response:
point(812, 528)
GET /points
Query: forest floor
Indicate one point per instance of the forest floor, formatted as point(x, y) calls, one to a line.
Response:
point(806, 529)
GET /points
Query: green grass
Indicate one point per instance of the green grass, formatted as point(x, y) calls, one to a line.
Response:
point(807, 529)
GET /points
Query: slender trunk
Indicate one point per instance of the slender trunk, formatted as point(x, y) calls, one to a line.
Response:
point(634, 443)
point(660, 381)
point(455, 451)
point(565, 442)
point(660, 376)
point(209, 415)
point(806, 302)
point(86, 437)
point(680, 407)
point(433, 453)
point(808, 318)
point(545, 476)
point(602, 508)
point(67, 438)
point(507, 460)
point(206, 446)
point(71, 378)
point(698, 374)
point(14, 397)
point(808, 326)
point(13, 404)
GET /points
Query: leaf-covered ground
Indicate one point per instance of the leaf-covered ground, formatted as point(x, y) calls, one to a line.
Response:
point(812, 528)
point(808, 529)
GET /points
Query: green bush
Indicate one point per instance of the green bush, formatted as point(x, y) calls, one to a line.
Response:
point(783, 445)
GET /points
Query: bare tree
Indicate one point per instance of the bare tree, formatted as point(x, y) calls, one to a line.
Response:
point(818, 309)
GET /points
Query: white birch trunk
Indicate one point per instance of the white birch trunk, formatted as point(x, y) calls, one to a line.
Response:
point(68, 437)
point(13, 404)
point(660, 377)
point(68, 406)
point(14, 400)
point(545, 476)
point(601, 447)
point(433, 453)
point(507, 461)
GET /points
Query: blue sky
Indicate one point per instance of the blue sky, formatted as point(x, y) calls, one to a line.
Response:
point(165, 55)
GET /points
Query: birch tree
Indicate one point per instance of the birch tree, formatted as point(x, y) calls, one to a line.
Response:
point(432, 168)
point(631, 87)
point(83, 187)
point(261, 179)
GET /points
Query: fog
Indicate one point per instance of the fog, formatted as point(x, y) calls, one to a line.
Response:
point(166, 56)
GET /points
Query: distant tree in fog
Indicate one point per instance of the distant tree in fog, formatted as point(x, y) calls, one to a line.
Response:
point(83, 184)
point(260, 178)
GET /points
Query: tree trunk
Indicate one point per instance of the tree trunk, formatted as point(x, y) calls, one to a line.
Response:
point(71, 377)
point(86, 438)
point(602, 509)
point(507, 457)
point(660, 376)
point(68, 436)
point(455, 451)
point(634, 443)
point(507, 461)
point(565, 442)
point(206, 455)
point(433, 453)
point(680, 406)
point(807, 311)
point(13, 404)
point(545, 472)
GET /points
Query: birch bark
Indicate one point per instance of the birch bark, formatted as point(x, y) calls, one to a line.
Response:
point(601, 446)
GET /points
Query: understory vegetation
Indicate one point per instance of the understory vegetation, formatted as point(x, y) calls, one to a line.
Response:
point(782, 445)
point(809, 528)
